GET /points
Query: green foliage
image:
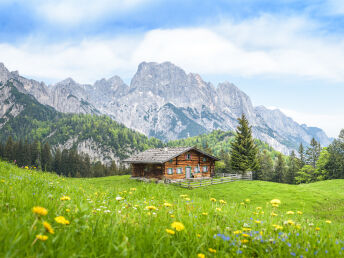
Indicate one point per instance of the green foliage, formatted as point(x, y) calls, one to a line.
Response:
point(244, 150)
point(305, 175)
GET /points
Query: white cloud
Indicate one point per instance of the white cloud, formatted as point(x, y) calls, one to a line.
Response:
point(74, 12)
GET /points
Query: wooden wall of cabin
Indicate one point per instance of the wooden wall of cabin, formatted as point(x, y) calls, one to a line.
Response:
point(196, 159)
point(147, 170)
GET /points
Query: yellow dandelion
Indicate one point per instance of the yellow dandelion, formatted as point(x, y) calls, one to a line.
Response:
point(205, 213)
point(290, 212)
point(317, 229)
point(222, 202)
point(178, 226)
point(200, 255)
point(211, 250)
point(298, 226)
point(245, 235)
point(40, 210)
point(172, 216)
point(290, 222)
point(166, 204)
point(328, 221)
point(67, 210)
point(247, 200)
point(132, 189)
point(277, 227)
point(65, 198)
point(299, 212)
point(213, 199)
point(198, 235)
point(237, 232)
point(48, 227)
point(257, 221)
point(62, 220)
point(218, 209)
point(275, 202)
point(244, 241)
point(170, 231)
point(273, 214)
point(42, 237)
point(150, 208)
point(258, 208)
point(246, 229)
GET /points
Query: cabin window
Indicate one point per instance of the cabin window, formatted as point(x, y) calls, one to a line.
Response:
point(196, 169)
point(188, 156)
point(171, 160)
point(205, 169)
point(170, 171)
point(179, 170)
point(204, 159)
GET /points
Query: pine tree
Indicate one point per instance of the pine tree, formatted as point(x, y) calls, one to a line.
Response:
point(57, 167)
point(266, 167)
point(302, 155)
point(9, 148)
point(27, 154)
point(36, 154)
point(293, 167)
point(46, 157)
point(280, 169)
point(244, 150)
point(313, 153)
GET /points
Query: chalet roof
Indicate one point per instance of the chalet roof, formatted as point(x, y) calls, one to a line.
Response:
point(162, 155)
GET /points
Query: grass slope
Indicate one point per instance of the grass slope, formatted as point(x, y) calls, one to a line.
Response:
point(135, 226)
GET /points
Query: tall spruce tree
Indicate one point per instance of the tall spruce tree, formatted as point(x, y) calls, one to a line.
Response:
point(302, 155)
point(46, 157)
point(244, 151)
point(313, 153)
point(266, 167)
point(280, 169)
point(9, 149)
point(293, 167)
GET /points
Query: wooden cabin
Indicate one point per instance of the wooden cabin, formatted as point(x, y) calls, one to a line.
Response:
point(173, 163)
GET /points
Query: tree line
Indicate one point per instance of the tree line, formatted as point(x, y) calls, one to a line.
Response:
point(38, 155)
point(309, 164)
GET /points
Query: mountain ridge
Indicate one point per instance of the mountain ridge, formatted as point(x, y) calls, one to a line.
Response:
point(164, 101)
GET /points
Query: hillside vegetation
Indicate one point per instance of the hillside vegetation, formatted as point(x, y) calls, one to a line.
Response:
point(116, 217)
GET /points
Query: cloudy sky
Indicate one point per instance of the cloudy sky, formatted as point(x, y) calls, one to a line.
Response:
point(284, 54)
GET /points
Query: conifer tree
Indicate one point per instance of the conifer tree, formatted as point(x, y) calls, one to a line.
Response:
point(9, 147)
point(302, 155)
point(244, 151)
point(266, 167)
point(313, 153)
point(46, 157)
point(280, 169)
point(293, 167)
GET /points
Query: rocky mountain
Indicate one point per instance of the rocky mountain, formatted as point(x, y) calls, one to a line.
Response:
point(165, 102)
point(101, 138)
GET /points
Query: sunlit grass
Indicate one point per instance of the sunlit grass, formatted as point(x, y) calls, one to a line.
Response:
point(116, 216)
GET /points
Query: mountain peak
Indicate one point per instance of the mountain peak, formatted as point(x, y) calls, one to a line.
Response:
point(68, 80)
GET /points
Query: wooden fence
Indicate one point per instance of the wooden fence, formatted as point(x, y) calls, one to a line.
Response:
point(195, 183)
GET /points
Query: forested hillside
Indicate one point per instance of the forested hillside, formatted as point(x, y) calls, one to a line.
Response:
point(39, 122)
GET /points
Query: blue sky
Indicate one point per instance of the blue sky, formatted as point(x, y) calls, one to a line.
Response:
point(284, 54)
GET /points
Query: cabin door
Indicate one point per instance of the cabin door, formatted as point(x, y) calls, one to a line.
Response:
point(187, 172)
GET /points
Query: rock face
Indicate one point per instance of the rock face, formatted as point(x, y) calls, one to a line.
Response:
point(165, 102)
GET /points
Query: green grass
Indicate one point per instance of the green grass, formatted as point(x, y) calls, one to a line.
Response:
point(101, 226)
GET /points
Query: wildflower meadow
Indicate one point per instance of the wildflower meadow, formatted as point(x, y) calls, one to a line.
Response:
point(45, 215)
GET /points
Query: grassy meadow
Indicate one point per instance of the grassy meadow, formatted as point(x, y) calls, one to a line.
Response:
point(119, 217)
